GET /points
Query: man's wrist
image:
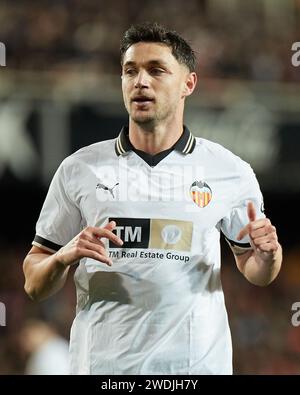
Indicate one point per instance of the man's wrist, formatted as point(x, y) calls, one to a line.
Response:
point(58, 261)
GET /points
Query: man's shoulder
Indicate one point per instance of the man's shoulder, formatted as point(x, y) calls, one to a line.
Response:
point(220, 157)
point(102, 150)
point(217, 152)
point(102, 147)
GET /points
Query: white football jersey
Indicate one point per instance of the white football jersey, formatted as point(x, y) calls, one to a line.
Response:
point(159, 309)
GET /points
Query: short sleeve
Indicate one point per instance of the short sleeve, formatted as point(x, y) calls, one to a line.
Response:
point(247, 189)
point(60, 218)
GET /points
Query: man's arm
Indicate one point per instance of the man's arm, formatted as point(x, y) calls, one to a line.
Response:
point(46, 273)
point(260, 265)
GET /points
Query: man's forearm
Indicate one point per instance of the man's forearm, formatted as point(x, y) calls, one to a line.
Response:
point(44, 275)
point(261, 270)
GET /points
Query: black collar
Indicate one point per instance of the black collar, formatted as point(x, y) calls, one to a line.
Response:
point(185, 144)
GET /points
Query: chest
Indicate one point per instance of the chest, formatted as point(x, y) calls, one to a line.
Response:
point(189, 192)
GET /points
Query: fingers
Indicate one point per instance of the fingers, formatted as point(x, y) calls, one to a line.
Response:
point(258, 228)
point(263, 230)
point(99, 251)
point(91, 253)
point(87, 244)
point(263, 235)
point(244, 232)
point(260, 241)
point(260, 223)
point(86, 247)
point(104, 232)
point(265, 238)
point(89, 237)
point(93, 246)
point(251, 212)
point(110, 226)
point(81, 247)
point(269, 247)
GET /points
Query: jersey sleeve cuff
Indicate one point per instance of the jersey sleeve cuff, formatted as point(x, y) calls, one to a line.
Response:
point(47, 245)
point(238, 248)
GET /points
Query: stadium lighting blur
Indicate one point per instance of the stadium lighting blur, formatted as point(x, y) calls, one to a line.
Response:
point(17, 151)
point(245, 127)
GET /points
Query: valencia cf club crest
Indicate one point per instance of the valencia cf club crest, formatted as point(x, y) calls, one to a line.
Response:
point(200, 193)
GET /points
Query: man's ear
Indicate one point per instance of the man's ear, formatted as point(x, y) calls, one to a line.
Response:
point(190, 84)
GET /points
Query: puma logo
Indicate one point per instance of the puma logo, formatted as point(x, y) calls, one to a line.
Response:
point(105, 188)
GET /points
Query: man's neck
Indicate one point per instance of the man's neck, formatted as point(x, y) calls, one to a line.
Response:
point(159, 138)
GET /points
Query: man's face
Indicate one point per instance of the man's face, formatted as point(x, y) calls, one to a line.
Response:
point(153, 83)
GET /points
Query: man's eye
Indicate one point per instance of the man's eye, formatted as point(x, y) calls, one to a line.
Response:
point(130, 72)
point(156, 71)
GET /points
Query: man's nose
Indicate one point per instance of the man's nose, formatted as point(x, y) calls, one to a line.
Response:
point(142, 80)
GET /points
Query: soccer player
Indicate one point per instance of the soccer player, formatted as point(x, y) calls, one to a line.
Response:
point(143, 214)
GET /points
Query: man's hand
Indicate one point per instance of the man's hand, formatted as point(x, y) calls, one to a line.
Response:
point(263, 236)
point(46, 273)
point(87, 244)
point(262, 265)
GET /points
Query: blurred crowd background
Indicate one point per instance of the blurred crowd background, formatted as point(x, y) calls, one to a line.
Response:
point(235, 39)
point(60, 90)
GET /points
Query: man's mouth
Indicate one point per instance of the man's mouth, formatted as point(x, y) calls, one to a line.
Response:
point(142, 99)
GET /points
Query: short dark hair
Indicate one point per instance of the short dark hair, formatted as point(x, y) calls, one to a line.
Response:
point(156, 33)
